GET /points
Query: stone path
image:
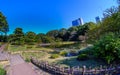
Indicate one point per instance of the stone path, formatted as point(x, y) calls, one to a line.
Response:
point(16, 60)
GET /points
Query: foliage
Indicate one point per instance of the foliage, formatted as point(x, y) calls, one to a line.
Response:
point(82, 57)
point(63, 34)
point(54, 56)
point(63, 53)
point(110, 23)
point(3, 24)
point(27, 60)
point(17, 37)
point(2, 71)
point(4, 27)
point(52, 33)
point(47, 39)
point(110, 11)
point(30, 37)
point(39, 37)
point(108, 48)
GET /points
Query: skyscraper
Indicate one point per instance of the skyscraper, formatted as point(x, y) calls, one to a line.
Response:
point(97, 19)
point(77, 22)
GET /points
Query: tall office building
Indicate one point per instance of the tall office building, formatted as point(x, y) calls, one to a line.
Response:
point(97, 19)
point(77, 22)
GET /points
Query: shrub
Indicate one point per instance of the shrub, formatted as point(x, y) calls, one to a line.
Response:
point(2, 71)
point(108, 48)
point(82, 57)
point(29, 46)
point(53, 56)
point(63, 53)
point(27, 60)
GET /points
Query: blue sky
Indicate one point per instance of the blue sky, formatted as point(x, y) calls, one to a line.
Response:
point(41, 16)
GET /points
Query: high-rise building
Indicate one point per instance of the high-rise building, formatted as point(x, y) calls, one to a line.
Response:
point(97, 19)
point(77, 22)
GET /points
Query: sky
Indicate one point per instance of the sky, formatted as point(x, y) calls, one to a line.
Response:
point(41, 16)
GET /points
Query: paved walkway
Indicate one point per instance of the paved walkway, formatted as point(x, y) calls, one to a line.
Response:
point(19, 67)
point(3, 55)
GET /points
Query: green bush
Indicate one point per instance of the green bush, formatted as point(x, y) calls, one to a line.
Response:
point(27, 60)
point(2, 71)
point(82, 57)
point(63, 53)
point(53, 56)
point(29, 47)
point(108, 48)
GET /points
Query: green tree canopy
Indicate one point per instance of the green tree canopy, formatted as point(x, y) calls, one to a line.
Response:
point(52, 33)
point(30, 37)
point(3, 24)
point(108, 48)
point(18, 38)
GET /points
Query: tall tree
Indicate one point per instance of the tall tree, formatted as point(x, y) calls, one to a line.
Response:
point(52, 33)
point(110, 11)
point(118, 1)
point(4, 28)
point(30, 37)
point(18, 36)
point(63, 34)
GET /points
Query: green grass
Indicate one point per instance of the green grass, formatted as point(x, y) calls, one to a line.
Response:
point(27, 55)
point(2, 71)
point(15, 48)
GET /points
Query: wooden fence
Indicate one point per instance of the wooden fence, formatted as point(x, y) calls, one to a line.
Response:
point(58, 70)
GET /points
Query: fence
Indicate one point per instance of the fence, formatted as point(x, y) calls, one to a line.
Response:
point(58, 70)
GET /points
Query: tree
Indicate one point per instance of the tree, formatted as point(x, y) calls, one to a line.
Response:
point(4, 28)
point(63, 34)
point(52, 33)
point(18, 38)
point(110, 11)
point(30, 37)
point(73, 29)
point(47, 39)
point(110, 23)
point(40, 37)
point(118, 2)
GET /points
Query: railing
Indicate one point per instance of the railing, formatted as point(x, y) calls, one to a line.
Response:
point(58, 70)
